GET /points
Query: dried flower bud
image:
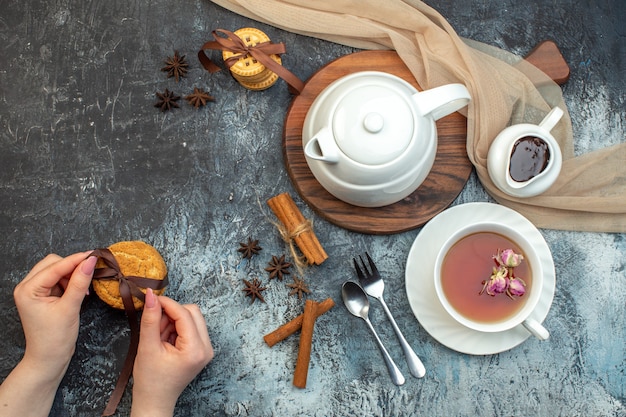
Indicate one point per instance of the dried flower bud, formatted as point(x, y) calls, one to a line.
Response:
point(498, 282)
point(517, 287)
point(509, 258)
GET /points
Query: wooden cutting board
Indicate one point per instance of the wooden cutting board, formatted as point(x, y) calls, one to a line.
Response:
point(451, 168)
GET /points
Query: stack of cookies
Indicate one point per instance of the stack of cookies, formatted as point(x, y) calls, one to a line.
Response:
point(248, 71)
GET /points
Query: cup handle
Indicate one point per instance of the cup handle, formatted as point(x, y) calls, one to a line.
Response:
point(551, 119)
point(536, 329)
point(441, 101)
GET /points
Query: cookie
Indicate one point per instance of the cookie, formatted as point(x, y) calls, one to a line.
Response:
point(259, 78)
point(262, 85)
point(135, 258)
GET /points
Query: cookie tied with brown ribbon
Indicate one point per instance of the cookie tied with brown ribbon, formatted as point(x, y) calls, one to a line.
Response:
point(138, 263)
point(122, 275)
point(253, 60)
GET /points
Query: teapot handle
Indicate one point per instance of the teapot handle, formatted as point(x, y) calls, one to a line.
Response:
point(441, 101)
point(322, 147)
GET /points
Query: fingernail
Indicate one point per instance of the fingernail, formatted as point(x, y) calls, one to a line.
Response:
point(150, 298)
point(88, 265)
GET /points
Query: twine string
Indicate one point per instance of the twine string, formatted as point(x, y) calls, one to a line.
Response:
point(289, 236)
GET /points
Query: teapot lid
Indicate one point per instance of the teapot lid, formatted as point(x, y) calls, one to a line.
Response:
point(373, 122)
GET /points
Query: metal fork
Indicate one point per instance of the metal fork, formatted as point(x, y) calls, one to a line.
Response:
point(374, 286)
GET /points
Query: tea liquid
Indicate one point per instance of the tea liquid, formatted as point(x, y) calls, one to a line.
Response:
point(468, 263)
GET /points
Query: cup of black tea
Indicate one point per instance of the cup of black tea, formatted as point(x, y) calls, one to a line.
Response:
point(465, 266)
point(524, 160)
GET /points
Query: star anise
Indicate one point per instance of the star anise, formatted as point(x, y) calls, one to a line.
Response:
point(167, 100)
point(199, 97)
point(250, 248)
point(253, 289)
point(176, 66)
point(278, 267)
point(298, 287)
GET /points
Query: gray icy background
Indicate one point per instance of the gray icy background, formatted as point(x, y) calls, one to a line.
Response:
point(87, 161)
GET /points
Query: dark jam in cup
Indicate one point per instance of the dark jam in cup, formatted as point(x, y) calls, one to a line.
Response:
point(529, 158)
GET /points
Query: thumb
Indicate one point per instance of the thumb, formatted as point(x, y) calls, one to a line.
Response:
point(78, 284)
point(150, 330)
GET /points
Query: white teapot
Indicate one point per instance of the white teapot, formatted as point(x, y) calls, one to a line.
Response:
point(370, 137)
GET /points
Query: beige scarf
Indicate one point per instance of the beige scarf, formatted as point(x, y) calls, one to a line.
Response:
point(590, 193)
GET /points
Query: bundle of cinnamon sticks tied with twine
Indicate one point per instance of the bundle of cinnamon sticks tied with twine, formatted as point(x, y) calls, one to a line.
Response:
point(296, 230)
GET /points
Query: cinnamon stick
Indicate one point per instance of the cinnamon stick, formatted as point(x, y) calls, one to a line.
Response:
point(295, 324)
point(306, 339)
point(292, 219)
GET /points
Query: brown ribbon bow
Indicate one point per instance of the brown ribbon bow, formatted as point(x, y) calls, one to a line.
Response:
point(129, 287)
point(261, 52)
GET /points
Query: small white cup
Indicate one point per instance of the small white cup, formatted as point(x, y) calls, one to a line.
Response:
point(530, 299)
point(499, 157)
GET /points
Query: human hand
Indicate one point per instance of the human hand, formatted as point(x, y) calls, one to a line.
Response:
point(174, 346)
point(48, 301)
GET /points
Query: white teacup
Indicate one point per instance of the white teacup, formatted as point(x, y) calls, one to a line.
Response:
point(530, 299)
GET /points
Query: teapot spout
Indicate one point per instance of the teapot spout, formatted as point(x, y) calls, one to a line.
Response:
point(441, 101)
point(322, 147)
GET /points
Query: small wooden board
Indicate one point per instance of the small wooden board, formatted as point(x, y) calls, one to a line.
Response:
point(450, 171)
point(548, 58)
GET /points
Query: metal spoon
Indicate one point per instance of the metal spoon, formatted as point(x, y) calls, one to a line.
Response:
point(357, 303)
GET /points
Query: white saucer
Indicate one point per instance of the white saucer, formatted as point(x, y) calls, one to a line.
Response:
point(420, 286)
